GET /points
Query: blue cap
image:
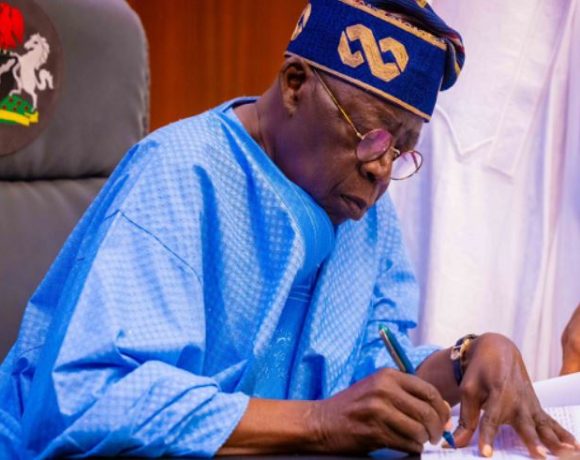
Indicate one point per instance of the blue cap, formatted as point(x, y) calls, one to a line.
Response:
point(380, 52)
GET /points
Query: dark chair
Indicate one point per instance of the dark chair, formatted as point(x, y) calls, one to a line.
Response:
point(101, 110)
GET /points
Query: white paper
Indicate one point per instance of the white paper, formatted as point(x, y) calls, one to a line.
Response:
point(559, 391)
point(507, 443)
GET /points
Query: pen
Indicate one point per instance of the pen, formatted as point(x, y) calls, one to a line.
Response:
point(404, 364)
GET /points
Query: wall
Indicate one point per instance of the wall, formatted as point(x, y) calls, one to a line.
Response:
point(203, 52)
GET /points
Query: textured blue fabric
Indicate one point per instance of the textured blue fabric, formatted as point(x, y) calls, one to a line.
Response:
point(197, 264)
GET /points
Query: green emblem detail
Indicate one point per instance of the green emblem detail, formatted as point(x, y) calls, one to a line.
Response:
point(16, 111)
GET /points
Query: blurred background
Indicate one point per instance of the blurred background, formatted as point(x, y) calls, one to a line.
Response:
point(205, 52)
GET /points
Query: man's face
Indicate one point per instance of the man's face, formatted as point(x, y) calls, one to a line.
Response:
point(320, 146)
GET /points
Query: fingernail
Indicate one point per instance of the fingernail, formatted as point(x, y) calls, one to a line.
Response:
point(542, 451)
point(487, 451)
point(568, 446)
point(448, 425)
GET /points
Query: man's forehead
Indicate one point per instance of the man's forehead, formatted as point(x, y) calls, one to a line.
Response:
point(369, 111)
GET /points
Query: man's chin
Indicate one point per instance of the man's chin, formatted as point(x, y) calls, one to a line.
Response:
point(337, 219)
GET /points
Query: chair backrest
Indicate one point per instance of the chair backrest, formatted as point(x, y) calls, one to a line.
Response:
point(96, 105)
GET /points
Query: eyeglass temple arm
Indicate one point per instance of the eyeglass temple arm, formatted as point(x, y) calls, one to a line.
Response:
point(337, 104)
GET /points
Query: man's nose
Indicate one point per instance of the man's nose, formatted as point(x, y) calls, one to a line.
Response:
point(378, 170)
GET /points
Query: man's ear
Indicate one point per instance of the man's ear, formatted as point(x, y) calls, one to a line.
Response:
point(294, 76)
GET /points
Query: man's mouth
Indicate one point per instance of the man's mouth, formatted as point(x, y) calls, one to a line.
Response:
point(356, 207)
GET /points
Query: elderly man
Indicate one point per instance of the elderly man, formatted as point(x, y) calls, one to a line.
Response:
point(223, 293)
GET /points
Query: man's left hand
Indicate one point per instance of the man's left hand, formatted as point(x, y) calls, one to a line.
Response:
point(496, 381)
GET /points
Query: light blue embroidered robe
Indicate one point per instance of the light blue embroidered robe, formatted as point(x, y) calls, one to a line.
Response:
point(200, 276)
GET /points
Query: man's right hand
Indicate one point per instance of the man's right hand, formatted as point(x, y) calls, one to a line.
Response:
point(387, 409)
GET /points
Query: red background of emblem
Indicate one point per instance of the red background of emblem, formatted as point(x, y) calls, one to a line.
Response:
point(11, 27)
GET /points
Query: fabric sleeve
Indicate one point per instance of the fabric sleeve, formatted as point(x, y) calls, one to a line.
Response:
point(394, 304)
point(125, 368)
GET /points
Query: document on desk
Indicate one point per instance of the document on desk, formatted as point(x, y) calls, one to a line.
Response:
point(507, 443)
point(559, 391)
point(559, 396)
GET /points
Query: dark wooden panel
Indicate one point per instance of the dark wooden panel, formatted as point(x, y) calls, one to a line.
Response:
point(203, 52)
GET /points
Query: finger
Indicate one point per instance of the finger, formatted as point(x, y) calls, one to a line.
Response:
point(424, 414)
point(407, 445)
point(428, 393)
point(395, 440)
point(554, 437)
point(565, 436)
point(407, 427)
point(527, 432)
point(488, 426)
point(549, 438)
point(469, 411)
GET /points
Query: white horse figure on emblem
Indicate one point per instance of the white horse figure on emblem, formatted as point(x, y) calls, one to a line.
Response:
point(28, 64)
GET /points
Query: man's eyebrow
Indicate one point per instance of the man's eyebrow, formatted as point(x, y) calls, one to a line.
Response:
point(392, 124)
point(408, 140)
point(377, 119)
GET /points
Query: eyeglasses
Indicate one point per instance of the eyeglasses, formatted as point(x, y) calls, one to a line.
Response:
point(377, 142)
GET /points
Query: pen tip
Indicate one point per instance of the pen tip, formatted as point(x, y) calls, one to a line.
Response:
point(449, 438)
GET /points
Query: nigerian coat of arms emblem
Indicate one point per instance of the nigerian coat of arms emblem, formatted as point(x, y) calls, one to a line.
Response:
point(30, 72)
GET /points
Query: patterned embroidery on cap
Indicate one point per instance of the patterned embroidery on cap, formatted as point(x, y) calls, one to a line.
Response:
point(373, 50)
point(302, 21)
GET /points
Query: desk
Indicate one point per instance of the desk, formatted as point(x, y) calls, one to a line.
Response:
point(382, 454)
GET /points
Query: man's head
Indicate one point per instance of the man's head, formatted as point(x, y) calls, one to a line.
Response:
point(315, 146)
point(344, 76)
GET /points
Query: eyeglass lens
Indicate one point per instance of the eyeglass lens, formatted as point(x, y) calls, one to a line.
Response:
point(373, 144)
point(407, 164)
point(376, 142)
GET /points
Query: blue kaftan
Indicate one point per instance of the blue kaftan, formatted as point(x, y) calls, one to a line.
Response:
point(200, 276)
